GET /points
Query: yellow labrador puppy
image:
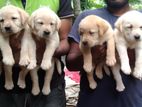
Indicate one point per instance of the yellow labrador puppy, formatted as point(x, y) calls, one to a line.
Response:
point(13, 24)
point(128, 34)
point(44, 24)
point(96, 31)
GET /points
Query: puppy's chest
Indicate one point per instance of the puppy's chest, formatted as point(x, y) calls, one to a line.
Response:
point(15, 44)
point(132, 45)
point(131, 55)
point(40, 48)
point(99, 53)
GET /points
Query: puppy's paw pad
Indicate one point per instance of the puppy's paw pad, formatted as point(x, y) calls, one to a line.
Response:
point(99, 75)
point(31, 66)
point(138, 74)
point(46, 91)
point(45, 65)
point(120, 88)
point(9, 86)
point(35, 91)
point(24, 61)
point(93, 85)
point(87, 67)
point(8, 61)
point(111, 61)
point(126, 70)
point(21, 84)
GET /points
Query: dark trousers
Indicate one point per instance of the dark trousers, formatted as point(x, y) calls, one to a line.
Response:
point(55, 99)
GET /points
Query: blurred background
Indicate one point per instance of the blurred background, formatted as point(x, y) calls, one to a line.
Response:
point(80, 5)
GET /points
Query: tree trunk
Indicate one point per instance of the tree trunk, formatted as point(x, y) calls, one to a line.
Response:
point(77, 8)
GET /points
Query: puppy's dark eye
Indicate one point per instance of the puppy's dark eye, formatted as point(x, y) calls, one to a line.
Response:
point(14, 18)
point(91, 33)
point(51, 23)
point(140, 27)
point(130, 27)
point(1, 20)
point(80, 33)
point(41, 23)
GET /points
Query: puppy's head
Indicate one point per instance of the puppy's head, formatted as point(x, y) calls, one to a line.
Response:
point(92, 30)
point(44, 22)
point(12, 20)
point(130, 26)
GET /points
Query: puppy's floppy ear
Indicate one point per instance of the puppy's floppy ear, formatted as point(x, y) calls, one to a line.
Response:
point(118, 24)
point(103, 27)
point(78, 30)
point(31, 21)
point(58, 21)
point(24, 16)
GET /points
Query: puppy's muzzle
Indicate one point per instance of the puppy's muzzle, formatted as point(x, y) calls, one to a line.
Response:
point(137, 37)
point(85, 43)
point(46, 33)
point(8, 29)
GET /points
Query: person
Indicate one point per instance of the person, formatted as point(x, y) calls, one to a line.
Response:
point(105, 94)
point(22, 97)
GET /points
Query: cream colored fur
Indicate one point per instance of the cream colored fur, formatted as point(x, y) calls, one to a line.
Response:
point(45, 24)
point(96, 31)
point(12, 21)
point(128, 34)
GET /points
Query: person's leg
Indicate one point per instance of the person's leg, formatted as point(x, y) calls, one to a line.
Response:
point(12, 100)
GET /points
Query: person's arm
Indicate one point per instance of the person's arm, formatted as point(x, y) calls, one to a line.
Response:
point(63, 32)
point(66, 14)
point(74, 59)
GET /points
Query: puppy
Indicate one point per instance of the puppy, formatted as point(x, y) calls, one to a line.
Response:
point(94, 31)
point(13, 24)
point(44, 25)
point(128, 34)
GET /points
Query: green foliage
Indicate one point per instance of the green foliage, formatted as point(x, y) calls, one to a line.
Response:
point(93, 4)
point(136, 4)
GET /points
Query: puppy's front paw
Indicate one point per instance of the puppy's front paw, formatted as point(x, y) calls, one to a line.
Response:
point(88, 67)
point(9, 60)
point(126, 69)
point(21, 83)
point(110, 61)
point(24, 61)
point(45, 65)
point(120, 87)
point(9, 85)
point(93, 85)
point(99, 75)
point(35, 91)
point(32, 65)
point(137, 73)
point(46, 90)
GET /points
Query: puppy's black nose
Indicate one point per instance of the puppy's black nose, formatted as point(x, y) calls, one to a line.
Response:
point(46, 32)
point(137, 37)
point(8, 29)
point(85, 43)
